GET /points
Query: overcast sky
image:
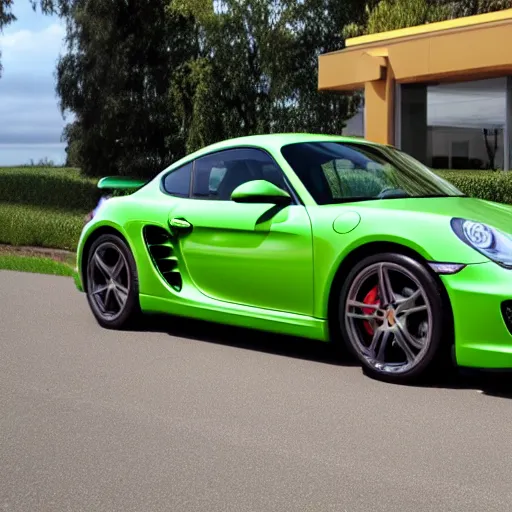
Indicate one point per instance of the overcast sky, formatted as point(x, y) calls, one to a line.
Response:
point(30, 120)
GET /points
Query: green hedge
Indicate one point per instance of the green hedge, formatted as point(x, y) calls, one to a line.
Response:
point(39, 227)
point(44, 207)
point(489, 185)
point(55, 188)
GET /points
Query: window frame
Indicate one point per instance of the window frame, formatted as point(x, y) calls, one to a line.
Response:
point(296, 200)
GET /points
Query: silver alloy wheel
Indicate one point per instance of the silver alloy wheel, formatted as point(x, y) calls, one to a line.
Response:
point(394, 333)
point(109, 280)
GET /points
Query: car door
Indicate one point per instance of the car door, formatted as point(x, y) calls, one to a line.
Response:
point(256, 255)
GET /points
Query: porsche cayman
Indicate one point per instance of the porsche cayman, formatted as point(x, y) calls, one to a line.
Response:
point(337, 239)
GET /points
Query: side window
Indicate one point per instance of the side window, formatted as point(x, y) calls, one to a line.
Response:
point(177, 182)
point(216, 176)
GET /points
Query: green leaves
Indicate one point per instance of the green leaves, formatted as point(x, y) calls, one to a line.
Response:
point(387, 15)
point(256, 68)
point(384, 15)
point(488, 185)
point(121, 62)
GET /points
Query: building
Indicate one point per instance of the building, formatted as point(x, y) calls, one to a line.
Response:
point(441, 92)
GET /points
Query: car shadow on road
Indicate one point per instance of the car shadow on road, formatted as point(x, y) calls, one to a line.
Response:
point(248, 339)
point(490, 383)
point(497, 384)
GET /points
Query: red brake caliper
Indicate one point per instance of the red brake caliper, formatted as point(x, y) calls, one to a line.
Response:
point(372, 297)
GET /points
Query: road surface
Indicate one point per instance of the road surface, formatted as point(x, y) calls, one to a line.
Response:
point(193, 417)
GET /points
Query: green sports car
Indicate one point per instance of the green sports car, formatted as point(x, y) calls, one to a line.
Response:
point(324, 237)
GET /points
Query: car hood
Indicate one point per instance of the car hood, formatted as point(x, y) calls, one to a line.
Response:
point(494, 214)
point(422, 224)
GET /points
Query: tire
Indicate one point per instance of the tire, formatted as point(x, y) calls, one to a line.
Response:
point(112, 285)
point(401, 342)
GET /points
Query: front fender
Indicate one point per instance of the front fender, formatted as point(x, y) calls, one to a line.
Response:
point(430, 236)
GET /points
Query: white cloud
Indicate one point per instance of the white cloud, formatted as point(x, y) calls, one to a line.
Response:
point(24, 49)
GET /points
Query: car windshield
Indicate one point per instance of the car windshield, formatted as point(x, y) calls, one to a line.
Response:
point(339, 172)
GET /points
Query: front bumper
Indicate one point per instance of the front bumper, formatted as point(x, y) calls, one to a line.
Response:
point(482, 339)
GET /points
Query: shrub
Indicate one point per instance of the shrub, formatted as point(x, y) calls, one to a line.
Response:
point(57, 188)
point(489, 185)
point(43, 206)
point(40, 227)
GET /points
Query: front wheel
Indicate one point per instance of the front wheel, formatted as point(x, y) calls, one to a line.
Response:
point(112, 285)
point(391, 317)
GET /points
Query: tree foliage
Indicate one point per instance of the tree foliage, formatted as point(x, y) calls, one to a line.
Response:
point(121, 58)
point(471, 7)
point(384, 15)
point(387, 15)
point(149, 81)
point(256, 68)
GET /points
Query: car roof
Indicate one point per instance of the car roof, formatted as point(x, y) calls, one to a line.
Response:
point(280, 139)
point(273, 140)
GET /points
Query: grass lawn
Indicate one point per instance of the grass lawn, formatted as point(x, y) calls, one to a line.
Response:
point(38, 264)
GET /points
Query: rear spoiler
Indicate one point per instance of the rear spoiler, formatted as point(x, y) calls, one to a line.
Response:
point(120, 183)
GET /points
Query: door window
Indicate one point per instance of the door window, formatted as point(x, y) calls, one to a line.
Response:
point(177, 182)
point(216, 176)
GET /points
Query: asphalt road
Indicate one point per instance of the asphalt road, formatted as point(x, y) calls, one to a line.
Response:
point(195, 417)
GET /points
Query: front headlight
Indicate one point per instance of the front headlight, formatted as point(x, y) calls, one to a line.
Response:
point(490, 242)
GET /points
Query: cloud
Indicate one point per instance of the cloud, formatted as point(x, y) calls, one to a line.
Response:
point(22, 48)
point(29, 111)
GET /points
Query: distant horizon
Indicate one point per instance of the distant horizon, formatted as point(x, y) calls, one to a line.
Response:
point(18, 154)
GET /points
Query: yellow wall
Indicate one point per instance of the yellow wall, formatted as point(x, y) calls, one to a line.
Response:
point(457, 50)
point(379, 101)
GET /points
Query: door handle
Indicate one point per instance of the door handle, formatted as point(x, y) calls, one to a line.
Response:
point(180, 223)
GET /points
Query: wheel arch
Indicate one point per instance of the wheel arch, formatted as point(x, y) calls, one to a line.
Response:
point(105, 229)
point(369, 249)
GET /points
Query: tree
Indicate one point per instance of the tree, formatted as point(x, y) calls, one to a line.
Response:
point(471, 7)
point(385, 15)
point(491, 151)
point(256, 68)
point(120, 62)
point(147, 81)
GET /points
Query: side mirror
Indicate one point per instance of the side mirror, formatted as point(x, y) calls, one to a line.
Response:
point(260, 191)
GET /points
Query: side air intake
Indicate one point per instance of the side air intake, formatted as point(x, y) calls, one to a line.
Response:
point(161, 248)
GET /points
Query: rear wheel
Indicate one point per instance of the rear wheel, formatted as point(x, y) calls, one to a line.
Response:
point(391, 317)
point(112, 284)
